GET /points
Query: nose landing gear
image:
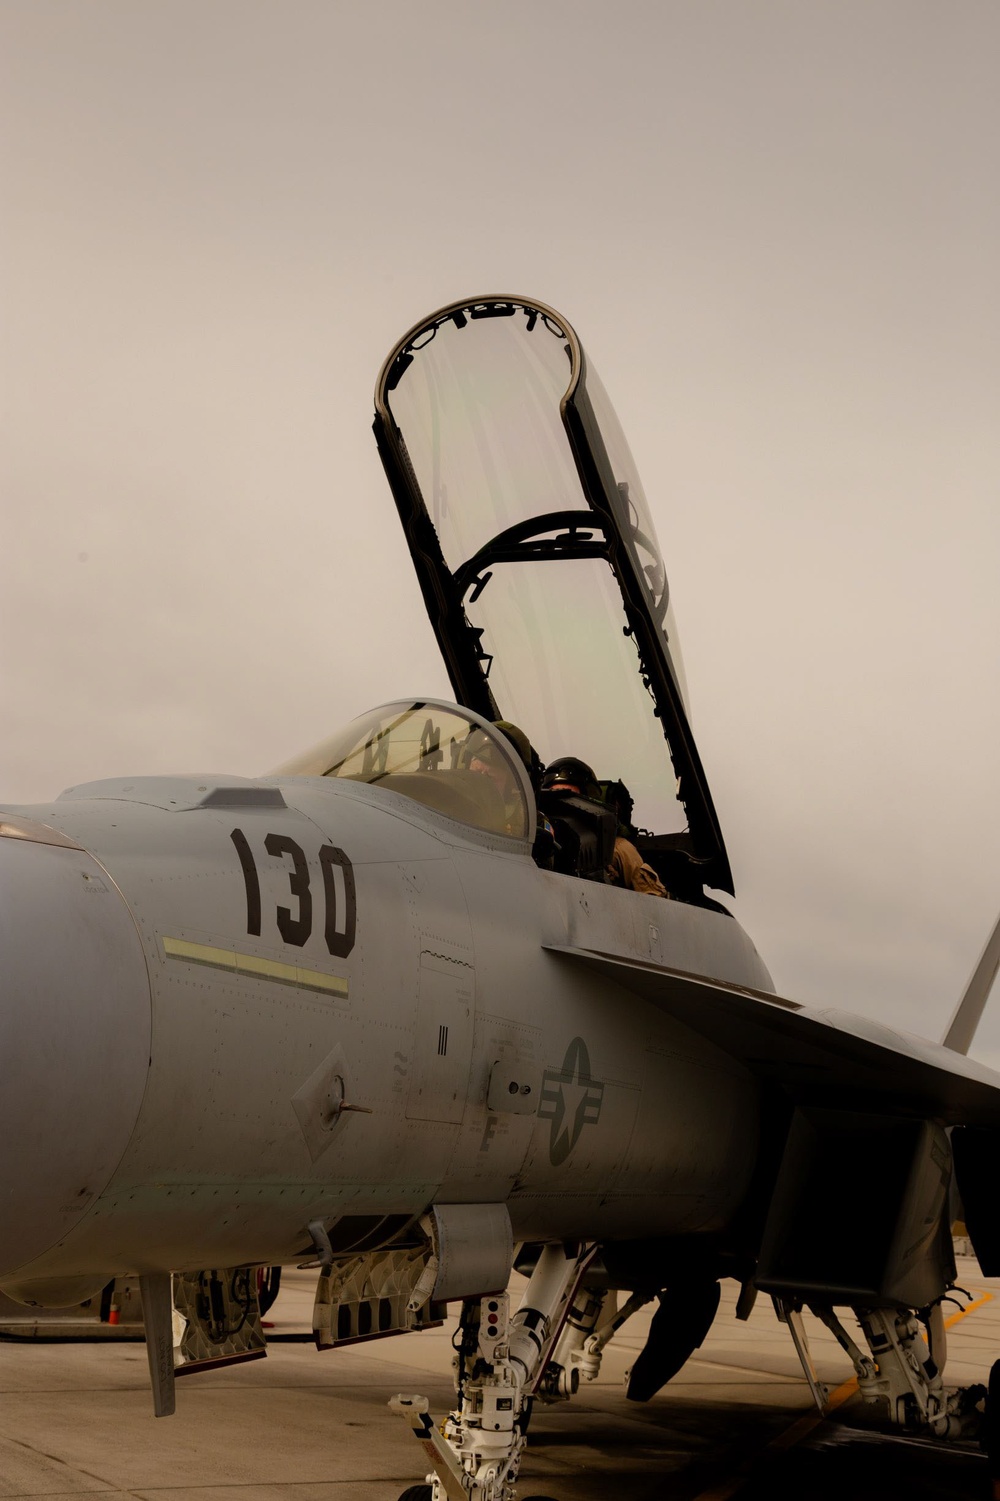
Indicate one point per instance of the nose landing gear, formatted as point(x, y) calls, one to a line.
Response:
point(501, 1363)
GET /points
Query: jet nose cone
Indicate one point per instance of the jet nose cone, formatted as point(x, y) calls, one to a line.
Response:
point(74, 1036)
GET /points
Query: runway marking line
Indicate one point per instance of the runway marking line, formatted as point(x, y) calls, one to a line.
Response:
point(803, 1426)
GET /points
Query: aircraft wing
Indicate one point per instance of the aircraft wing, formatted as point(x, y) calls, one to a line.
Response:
point(817, 1057)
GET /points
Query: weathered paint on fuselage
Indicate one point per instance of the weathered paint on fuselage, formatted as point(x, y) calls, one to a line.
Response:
point(220, 1157)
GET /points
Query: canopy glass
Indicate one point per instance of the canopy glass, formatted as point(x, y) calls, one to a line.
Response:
point(435, 754)
point(537, 556)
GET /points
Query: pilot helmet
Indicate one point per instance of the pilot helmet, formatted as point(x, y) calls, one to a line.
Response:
point(524, 748)
point(479, 747)
point(517, 738)
point(570, 774)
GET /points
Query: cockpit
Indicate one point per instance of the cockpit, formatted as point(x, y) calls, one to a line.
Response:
point(545, 585)
point(441, 756)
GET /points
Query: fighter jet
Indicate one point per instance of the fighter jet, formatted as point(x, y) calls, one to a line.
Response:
point(385, 1011)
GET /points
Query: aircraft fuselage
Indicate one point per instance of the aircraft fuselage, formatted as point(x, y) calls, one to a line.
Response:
point(198, 988)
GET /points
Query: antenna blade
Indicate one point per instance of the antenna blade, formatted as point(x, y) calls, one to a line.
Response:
point(962, 1027)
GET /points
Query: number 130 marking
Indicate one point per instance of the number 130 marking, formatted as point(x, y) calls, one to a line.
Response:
point(338, 893)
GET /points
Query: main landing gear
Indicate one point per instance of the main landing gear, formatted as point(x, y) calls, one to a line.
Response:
point(901, 1373)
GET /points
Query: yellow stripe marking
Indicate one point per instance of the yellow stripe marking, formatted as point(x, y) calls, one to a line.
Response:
point(803, 1426)
point(969, 1308)
point(255, 967)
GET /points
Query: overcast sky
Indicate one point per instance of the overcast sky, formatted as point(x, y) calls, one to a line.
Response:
point(776, 227)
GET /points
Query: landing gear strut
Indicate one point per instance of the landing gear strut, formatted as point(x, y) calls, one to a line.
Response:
point(902, 1374)
point(503, 1362)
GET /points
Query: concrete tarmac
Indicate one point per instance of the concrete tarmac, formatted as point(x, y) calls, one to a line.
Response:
point(737, 1422)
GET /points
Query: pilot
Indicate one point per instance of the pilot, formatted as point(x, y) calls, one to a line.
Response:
point(627, 866)
point(524, 748)
point(544, 847)
point(487, 761)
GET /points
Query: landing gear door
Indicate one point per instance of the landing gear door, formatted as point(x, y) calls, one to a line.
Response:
point(537, 558)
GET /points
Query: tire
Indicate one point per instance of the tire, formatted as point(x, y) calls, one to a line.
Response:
point(417, 1493)
point(990, 1437)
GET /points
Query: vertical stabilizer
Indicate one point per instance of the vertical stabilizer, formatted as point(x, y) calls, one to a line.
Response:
point(962, 1027)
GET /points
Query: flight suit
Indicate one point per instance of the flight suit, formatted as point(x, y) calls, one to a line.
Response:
point(629, 869)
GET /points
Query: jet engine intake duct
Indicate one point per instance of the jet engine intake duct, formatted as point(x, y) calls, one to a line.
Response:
point(859, 1214)
point(976, 1150)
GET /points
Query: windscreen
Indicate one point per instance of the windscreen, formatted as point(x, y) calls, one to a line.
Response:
point(435, 754)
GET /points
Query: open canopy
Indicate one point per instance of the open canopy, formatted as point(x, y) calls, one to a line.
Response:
point(537, 558)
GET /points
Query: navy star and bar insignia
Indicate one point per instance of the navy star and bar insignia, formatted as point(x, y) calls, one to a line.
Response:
point(571, 1099)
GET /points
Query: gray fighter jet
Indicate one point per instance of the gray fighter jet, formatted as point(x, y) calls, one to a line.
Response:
point(383, 1011)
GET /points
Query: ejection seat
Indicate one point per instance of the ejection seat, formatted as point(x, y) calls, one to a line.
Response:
point(584, 833)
